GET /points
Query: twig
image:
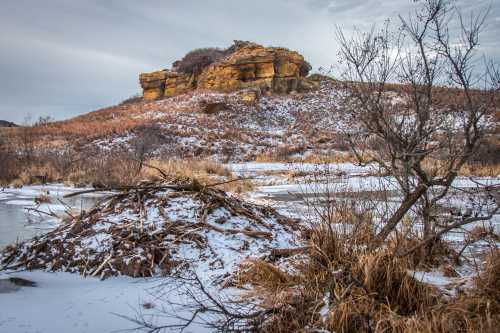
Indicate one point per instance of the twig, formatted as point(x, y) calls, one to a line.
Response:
point(101, 266)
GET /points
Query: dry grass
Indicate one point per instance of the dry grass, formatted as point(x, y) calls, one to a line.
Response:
point(436, 167)
point(117, 169)
point(262, 274)
point(342, 285)
point(288, 154)
point(338, 157)
point(489, 281)
point(204, 171)
point(480, 170)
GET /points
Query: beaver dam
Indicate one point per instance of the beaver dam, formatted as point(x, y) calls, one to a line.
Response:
point(158, 230)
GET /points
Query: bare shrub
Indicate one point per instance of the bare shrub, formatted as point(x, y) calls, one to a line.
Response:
point(9, 167)
point(195, 61)
point(429, 123)
point(339, 283)
point(280, 153)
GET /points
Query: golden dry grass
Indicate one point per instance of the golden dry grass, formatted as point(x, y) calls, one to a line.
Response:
point(204, 171)
point(337, 157)
point(118, 169)
point(358, 289)
point(436, 167)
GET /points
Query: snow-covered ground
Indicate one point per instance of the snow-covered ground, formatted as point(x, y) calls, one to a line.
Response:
point(254, 168)
point(65, 302)
point(239, 133)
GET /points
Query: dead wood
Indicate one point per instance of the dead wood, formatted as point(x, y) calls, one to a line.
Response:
point(139, 231)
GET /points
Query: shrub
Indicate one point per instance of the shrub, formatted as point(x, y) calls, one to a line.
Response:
point(9, 166)
point(195, 61)
point(487, 153)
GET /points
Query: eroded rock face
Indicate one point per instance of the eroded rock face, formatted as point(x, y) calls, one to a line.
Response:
point(246, 65)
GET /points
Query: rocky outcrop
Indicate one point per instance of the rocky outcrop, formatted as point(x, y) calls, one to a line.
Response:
point(246, 65)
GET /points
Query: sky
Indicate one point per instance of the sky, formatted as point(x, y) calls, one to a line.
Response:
point(62, 58)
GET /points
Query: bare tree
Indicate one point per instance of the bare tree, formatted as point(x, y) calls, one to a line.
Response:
point(144, 145)
point(422, 130)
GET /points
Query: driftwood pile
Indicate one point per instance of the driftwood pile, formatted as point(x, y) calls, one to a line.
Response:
point(157, 229)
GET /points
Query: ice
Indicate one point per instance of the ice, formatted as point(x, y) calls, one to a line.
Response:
point(64, 302)
point(26, 203)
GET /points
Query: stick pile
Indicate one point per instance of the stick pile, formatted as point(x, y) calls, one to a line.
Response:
point(157, 230)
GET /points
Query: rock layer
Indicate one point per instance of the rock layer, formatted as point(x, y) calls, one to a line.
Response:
point(247, 66)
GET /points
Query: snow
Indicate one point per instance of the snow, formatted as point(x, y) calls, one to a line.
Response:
point(21, 202)
point(244, 130)
point(434, 278)
point(4, 196)
point(52, 190)
point(255, 167)
point(64, 302)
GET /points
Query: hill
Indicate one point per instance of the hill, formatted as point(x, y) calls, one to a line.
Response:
point(208, 124)
point(5, 123)
point(244, 114)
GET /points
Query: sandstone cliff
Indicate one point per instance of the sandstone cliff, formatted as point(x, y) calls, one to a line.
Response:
point(245, 65)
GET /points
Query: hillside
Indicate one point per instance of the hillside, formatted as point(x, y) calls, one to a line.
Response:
point(222, 126)
point(5, 123)
point(245, 103)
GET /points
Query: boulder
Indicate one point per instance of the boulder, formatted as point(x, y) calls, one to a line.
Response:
point(245, 65)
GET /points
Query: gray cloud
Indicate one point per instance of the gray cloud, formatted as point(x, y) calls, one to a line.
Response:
point(63, 58)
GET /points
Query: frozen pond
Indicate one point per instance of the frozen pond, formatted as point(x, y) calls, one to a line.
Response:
point(322, 183)
point(64, 302)
point(22, 218)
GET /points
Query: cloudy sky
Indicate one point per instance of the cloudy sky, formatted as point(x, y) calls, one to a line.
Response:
point(62, 58)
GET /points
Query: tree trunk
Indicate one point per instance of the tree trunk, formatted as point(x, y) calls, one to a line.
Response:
point(405, 206)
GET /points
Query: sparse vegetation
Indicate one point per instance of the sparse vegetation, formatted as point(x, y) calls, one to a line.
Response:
point(425, 126)
point(195, 61)
point(340, 283)
point(358, 261)
point(132, 99)
point(362, 264)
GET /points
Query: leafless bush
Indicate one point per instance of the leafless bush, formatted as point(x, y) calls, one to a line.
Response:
point(487, 153)
point(43, 120)
point(429, 122)
point(305, 68)
point(146, 143)
point(195, 61)
point(9, 167)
